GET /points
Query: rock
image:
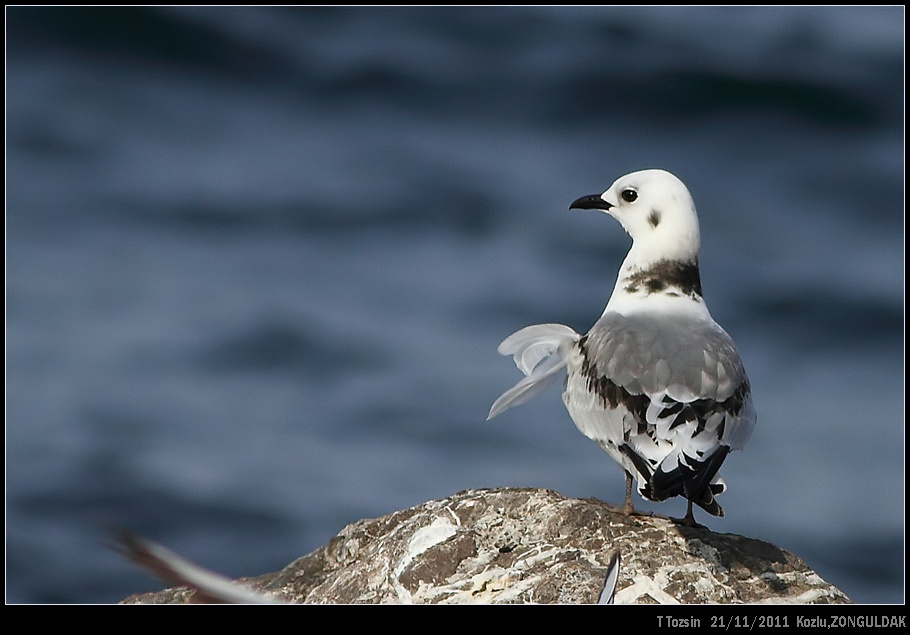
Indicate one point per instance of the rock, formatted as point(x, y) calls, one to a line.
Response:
point(530, 545)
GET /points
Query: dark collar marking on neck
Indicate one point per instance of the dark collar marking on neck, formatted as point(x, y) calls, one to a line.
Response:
point(663, 274)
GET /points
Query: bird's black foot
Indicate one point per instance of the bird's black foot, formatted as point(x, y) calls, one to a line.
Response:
point(689, 519)
point(628, 509)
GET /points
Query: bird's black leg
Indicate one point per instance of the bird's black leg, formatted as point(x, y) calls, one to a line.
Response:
point(628, 509)
point(689, 520)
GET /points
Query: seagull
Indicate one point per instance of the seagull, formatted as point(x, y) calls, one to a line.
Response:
point(608, 592)
point(656, 382)
point(210, 587)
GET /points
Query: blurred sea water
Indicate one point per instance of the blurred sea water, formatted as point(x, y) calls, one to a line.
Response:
point(259, 261)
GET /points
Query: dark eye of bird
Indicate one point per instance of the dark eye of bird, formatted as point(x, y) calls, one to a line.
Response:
point(629, 195)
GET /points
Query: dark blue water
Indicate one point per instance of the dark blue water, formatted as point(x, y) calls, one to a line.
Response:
point(259, 261)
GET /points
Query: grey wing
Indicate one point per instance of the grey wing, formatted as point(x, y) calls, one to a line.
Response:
point(676, 361)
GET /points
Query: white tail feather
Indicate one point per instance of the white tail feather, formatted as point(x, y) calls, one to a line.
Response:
point(533, 349)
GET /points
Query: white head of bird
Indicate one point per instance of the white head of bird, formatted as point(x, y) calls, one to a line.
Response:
point(657, 211)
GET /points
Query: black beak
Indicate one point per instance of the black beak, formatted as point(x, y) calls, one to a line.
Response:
point(591, 202)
